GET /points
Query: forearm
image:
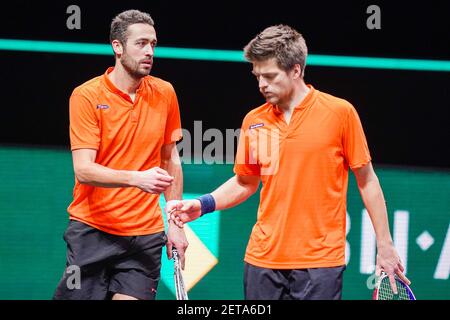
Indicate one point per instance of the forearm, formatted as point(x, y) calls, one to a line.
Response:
point(175, 191)
point(232, 193)
point(100, 176)
point(373, 199)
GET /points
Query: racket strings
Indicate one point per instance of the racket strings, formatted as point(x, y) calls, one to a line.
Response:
point(385, 291)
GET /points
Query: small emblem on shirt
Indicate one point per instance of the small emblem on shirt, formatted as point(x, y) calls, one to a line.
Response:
point(102, 106)
point(254, 126)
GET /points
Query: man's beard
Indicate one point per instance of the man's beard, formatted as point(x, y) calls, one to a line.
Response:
point(132, 67)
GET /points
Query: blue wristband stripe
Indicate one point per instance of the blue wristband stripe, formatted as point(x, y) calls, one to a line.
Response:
point(208, 204)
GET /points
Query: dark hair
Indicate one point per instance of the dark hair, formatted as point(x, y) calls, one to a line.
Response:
point(281, 42)
point(120, 23)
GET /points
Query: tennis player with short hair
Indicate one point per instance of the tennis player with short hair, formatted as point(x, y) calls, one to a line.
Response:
point(124, 126)
point(300, 144)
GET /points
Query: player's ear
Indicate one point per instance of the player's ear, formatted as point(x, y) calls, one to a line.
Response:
point(117, 47)
point(297, 71)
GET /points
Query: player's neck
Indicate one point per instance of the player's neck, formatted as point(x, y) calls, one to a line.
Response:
point(123, 80)
point(299, 93)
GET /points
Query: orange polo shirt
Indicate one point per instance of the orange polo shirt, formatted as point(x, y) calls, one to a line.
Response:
point(304, 171)
point(127, 136)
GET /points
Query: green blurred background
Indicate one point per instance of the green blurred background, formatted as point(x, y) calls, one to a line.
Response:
point(404, 113)
point(36, 190)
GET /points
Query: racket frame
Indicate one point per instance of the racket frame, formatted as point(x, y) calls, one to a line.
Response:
point(384, 275)
point(180, 289)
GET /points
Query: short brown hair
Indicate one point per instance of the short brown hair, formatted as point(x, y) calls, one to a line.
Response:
point(123, 20)
point(281, 42)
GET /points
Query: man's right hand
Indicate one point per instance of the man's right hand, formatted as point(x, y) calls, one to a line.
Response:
point(154, 180)
point(183, 211)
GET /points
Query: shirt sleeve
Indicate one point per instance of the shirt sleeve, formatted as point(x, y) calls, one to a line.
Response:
point(356, 150)
point(245, 163)
point(173, 132)
point(84, 126)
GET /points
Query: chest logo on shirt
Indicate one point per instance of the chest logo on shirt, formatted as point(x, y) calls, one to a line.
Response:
point(102, 106)
point(257, 125)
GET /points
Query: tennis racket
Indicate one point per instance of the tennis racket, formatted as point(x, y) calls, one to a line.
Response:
point(383, 290)
point(180, 289)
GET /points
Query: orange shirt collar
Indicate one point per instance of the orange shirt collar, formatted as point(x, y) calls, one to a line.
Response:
point(306, 102)
point(108, 83)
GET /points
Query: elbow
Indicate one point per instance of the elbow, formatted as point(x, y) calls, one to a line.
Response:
point(253, 189)
point(81, 174)
point(373, 180)
point(366, 178)
point(371, 187)
point(81, 179)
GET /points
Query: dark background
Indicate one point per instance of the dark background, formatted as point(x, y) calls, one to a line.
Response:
point(405, 113)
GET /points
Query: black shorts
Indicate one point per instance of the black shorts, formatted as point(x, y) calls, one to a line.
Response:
point(100, 264)
point(293, 284)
